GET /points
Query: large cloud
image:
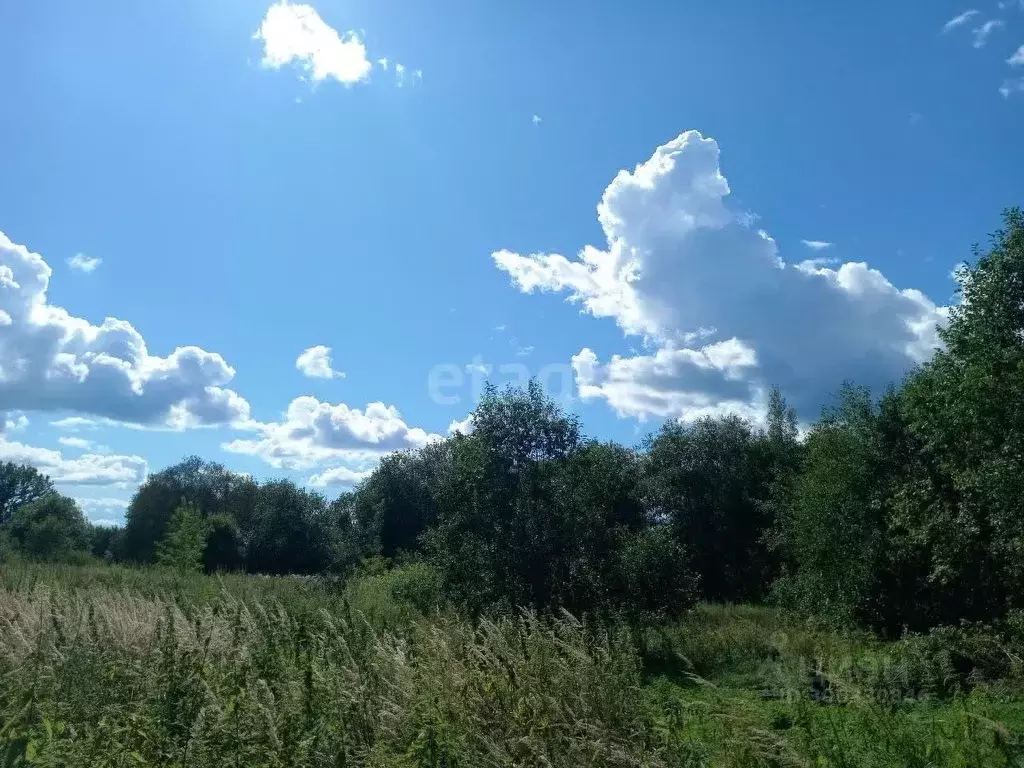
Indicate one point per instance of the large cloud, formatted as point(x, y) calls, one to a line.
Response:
point(728, 317)
point(53, 361)
point(348, 441)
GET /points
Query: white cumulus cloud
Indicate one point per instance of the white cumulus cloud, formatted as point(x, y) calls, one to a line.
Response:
point(1017, 59)
point(679, 266)
point(344, 477)
point(293, 32)
point(88, 469)
point(465, 426)
point(315, 363)
point(315, 433)
point(817, 245)
point(51, 360)
point(84, 263)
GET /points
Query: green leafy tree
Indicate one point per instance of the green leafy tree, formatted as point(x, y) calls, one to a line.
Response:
point(500, 529)
point(184, 543)
point(223, 545)
point(837, 530)
point(531, 514)
point(206, 485)
point(396, 504)
point(290, 531)
point(51, 527)
point(963, 409)
point(20, 484)
point(711, 483)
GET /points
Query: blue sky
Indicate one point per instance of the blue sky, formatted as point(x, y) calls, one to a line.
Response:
point(768, 194)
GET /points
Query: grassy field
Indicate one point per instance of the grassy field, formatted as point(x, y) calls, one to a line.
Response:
point(105, 666)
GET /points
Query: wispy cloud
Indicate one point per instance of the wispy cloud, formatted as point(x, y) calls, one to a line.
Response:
point(75, 442)
point(84, 263)
point(982, 33)
point(1017, 59)
point(959, 21)
point(537, 119)
point(1011, 86)
point(817, 245)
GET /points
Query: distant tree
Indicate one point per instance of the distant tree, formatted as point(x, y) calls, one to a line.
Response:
point(223, 545)
point(206, 485)
point(104, 541)
point(500, 526)
point(654, 578)
point(290, 531)
point(531, 514)
point(184, 542)
point(837, 530)
point(51, 527)
point(711, 483)
point(20, 484)
point(396, 504)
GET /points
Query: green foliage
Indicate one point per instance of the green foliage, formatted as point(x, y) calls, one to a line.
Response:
point(52, 527)
point(20, 485)
point(289, 532)
point(120, 667)
point(184, 543)
point(206, 485)
point(963, 409)
point(711, 481)
point(532, 515)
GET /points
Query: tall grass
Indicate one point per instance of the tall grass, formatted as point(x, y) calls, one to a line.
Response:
point(127, 667)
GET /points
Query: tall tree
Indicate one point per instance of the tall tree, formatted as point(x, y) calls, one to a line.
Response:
point(184, 543)
point(50, 527)
point(20, 484)
point(964, 409)
point(711, 484)
point(208, 486)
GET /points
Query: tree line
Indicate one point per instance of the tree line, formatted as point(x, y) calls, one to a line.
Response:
point(894, 511)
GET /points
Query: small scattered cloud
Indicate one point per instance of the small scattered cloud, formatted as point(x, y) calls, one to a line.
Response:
point(1017, 59)
point(14, 422)
point(464, 426)
point(344, 477)
point(817, 245)
point(1011, 86)
point(296, 33)
point(75, 423)
point(537, 119)
point(315, 363)
point(383, 62)
point(524, 351)
point(106, 504)
point(981, 34)
point(959, 21)
point(84, 263)
point(75, 442)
